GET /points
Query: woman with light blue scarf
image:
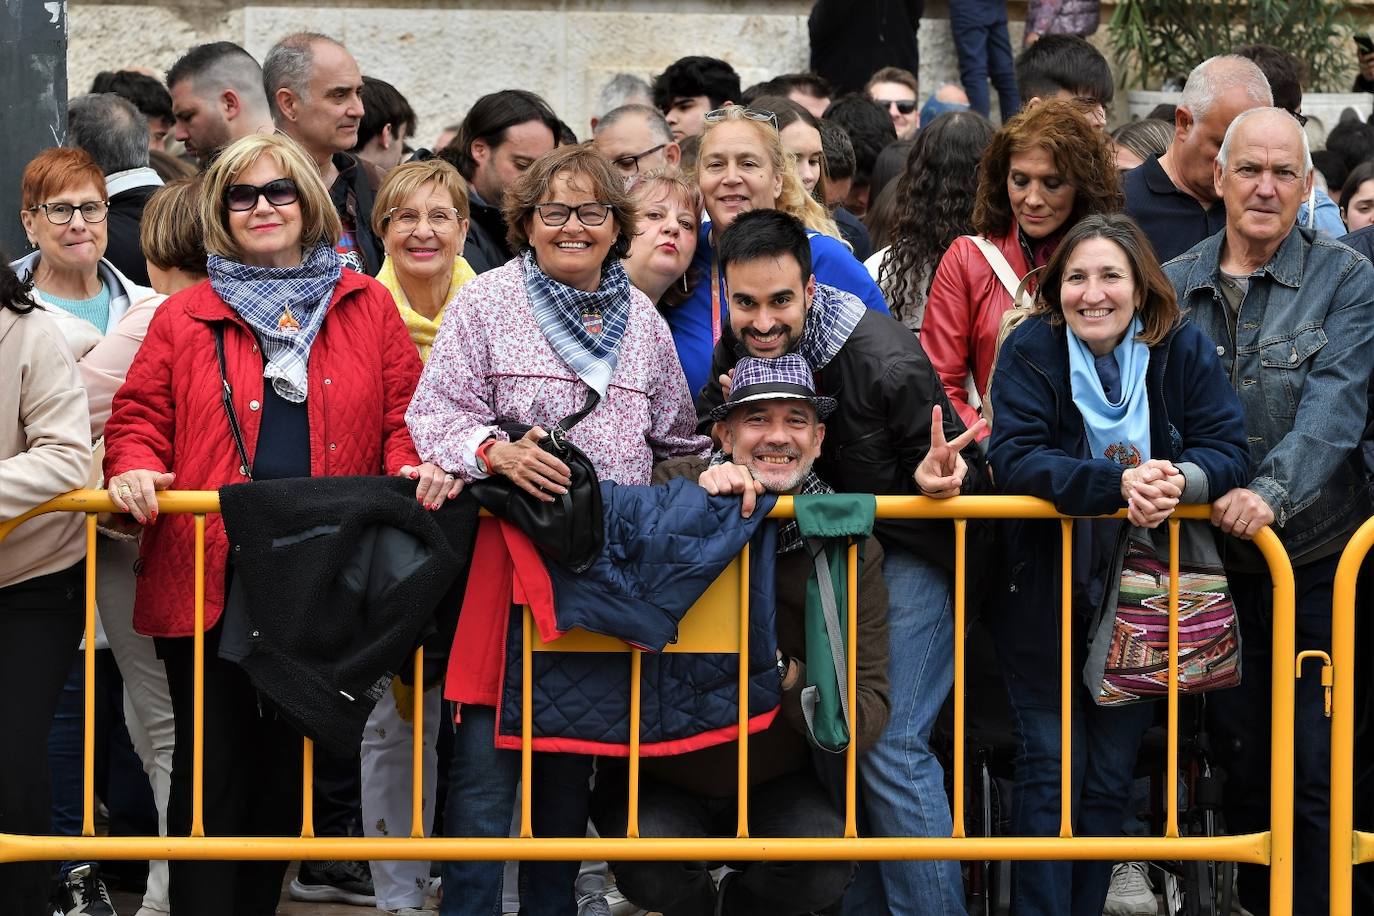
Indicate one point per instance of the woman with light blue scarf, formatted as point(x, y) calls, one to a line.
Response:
point(1105, 398)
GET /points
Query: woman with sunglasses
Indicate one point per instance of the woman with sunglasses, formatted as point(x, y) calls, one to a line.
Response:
point(319, 370)
point(557, 329)
point(64, 209)
point(743, 165)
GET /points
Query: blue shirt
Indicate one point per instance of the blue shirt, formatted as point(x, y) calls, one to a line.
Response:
point(831, 262)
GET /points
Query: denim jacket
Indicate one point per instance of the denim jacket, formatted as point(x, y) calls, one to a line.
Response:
point(1301, 364)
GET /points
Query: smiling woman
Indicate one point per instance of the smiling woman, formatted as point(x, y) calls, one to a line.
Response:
point(299, 368)
point(1043, 171)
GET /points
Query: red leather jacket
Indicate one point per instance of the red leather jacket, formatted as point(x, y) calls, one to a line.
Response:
point(168, 416)
point(963, 314)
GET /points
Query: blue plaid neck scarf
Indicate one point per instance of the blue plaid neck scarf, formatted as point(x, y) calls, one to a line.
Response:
point(569, 317)
point(285, 306)
point(832, 318)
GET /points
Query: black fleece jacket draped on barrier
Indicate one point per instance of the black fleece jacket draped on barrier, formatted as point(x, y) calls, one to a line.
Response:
point(336, 581)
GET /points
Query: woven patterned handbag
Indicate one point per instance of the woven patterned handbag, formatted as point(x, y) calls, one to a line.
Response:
point(1136, 666)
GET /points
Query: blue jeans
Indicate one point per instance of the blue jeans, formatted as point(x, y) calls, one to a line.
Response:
point(1105, 743)
point(481, 797)
point(984, 50)
point(901, 781)
point(1238, 721)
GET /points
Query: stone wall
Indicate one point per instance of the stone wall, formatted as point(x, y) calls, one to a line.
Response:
point(443, 54)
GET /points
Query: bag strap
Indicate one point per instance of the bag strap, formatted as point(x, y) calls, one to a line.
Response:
point(227, 398)
point(833, 631)
point(1013, 284)
point(559, 433)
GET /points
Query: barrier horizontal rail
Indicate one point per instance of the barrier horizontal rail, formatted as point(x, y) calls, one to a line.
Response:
point(1272, 847)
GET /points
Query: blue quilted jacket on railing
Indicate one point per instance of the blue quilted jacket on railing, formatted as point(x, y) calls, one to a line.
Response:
point(664, 546)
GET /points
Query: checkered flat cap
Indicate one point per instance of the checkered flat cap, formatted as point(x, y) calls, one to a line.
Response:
point(782, 379)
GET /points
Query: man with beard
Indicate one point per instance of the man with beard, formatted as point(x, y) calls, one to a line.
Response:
point(217, 98)
point(772, 425)
point(893, 433)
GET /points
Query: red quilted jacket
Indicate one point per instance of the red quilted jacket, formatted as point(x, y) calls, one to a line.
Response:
point(168, 416)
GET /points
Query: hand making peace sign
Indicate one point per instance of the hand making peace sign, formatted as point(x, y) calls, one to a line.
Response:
point(941, 473)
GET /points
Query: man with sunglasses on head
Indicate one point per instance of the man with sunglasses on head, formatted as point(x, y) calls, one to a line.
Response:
point(315, 89)
point(636, 139)
point(896, 90)
point(893, 432)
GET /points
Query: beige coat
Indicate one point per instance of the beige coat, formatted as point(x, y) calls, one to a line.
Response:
point(45, 444)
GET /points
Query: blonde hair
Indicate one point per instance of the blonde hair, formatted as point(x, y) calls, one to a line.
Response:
point(405, 180)
point(169, 232)
point(319, 219)
point(793, 199)
point(670, 181)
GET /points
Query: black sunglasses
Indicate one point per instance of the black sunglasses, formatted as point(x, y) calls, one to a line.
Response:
point(905, 106)
point(279, 193)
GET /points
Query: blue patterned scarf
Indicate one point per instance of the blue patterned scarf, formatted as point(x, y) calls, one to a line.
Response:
point(285, 306)
point(570, 319)
point(833, 317)
point(1118, 430)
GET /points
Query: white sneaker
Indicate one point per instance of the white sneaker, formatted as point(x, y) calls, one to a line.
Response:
point(1130, 893)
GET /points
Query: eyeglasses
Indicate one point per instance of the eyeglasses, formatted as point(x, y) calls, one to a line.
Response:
point(441, 219)
point(630, 164)
point(1302, 118)
point(905, 106)
point(753, 114)
point(92, 211)
point(279, 193)
point(587, 214)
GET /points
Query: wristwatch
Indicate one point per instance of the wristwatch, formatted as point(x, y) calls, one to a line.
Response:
point(482, 455)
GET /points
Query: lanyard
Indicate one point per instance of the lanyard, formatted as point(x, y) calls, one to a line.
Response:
point(715, 300)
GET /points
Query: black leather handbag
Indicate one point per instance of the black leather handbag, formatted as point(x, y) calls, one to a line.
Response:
point(570, 530)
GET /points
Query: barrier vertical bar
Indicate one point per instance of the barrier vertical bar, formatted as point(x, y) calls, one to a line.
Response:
point(742, 817)
point(417, 747)
point(1066, 679)
point(1171, 755)
point(960, 572)
point(88, 695)
point(307, 787)
point(1281, 725)
point(636, 701)
point(851, 754)
point(526, 726)
point(1343, 720)
point(198, 689)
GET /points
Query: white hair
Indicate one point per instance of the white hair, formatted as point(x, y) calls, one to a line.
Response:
point(1224, 154)
point(623, 89)
point(1218, 75)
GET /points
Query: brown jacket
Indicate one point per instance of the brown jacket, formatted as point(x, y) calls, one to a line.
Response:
point(45, 444)
point(783, 748)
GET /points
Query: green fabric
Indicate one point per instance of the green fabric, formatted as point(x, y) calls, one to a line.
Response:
point(828, 522)
point(835, 515)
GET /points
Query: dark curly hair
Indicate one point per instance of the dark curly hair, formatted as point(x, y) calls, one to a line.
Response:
point(934, 206)
point(14, 292)
point(1081, 152)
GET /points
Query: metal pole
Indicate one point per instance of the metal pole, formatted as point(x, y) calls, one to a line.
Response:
point(33, 68)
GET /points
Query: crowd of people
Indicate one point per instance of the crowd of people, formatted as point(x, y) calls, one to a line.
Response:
point(722, 294)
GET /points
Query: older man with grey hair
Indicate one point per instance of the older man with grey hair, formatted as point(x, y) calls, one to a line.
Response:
point(1292, 316)
point(1172, 197)
point(620, 90)
point(635, 139)
point(315, 89)
point(115, 134)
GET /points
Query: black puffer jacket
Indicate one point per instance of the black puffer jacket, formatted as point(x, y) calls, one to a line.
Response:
point(486, 245)
point(877, 436)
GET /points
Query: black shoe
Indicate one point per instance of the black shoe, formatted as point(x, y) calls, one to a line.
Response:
point(82, 893)
point(334, 882)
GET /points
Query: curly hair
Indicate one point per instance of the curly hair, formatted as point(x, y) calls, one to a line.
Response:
point(1081, 152)
point(934, 207)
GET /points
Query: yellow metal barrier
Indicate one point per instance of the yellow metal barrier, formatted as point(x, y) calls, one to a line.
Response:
point(1348, 846)
point(721, 624)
